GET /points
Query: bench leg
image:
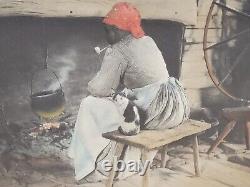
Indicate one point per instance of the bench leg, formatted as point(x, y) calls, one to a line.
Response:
point(247, 135)
point(145, 178)
point(163, 156)
point(117, 153)
point(196, 156)
point(222, 135)
point(112, 173)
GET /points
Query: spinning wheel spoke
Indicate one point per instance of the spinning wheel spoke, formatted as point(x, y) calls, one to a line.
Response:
point(237, 62)
point(230, 9)
point(228, 39)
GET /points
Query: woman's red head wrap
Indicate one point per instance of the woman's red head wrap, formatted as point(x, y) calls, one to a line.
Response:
point(125, 17)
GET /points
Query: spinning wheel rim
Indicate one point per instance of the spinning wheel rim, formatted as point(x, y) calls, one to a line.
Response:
point(209, 66)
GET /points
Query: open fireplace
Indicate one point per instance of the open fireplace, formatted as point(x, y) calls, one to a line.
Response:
point(70, 44)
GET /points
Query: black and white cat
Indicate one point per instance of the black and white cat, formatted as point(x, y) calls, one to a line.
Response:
point(131, 123)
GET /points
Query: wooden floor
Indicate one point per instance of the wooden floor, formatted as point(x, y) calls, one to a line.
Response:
point(215, 174)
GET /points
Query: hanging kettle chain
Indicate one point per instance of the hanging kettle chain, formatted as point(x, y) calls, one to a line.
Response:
point(45, 47)
point(45, 63)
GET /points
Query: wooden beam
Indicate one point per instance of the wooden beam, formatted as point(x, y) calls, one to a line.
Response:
point(176, 10)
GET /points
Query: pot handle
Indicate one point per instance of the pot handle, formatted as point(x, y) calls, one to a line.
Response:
point(57, 78)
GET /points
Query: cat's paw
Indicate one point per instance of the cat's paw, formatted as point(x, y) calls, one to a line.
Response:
point(128, 129)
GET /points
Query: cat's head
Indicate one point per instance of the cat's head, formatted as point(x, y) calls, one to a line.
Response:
point(121, 100)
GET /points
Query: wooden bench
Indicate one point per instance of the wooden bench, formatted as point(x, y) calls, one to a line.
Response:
point(148, 140)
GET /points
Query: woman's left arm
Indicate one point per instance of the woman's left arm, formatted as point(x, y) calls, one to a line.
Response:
point(108, 78)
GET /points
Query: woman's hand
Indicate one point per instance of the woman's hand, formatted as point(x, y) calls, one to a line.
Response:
point(129, 94)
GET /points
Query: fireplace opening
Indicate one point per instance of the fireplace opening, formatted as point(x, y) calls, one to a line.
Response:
point(71, 43)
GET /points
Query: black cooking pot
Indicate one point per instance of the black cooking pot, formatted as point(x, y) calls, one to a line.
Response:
point(49, 103)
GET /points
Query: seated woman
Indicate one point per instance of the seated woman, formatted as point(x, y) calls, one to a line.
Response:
point(133, 60)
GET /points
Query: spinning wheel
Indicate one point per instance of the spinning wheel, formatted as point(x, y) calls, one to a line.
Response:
point(227, 60)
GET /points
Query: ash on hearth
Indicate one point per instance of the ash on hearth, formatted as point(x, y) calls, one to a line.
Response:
point(42, 140)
